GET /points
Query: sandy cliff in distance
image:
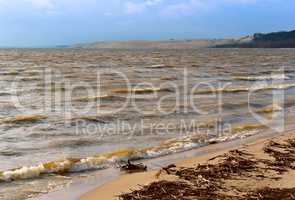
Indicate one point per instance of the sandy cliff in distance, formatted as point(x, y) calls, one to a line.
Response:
point(258, 40)
point(169, 44)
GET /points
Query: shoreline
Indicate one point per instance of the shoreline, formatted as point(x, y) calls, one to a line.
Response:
point(131, 182)
point(105, 177)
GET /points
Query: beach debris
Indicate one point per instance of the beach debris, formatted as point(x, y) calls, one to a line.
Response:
point(161, 190)
point(272, 194)
point(158, 174)
point(133, 168)
point(199, 182)
point(169, 190)
point(283, 153)
point(233, 163)
point(166, 169)
point(207, 181)
point(173, 190)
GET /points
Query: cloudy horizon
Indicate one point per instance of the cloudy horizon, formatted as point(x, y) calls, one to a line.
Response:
point(66, 22)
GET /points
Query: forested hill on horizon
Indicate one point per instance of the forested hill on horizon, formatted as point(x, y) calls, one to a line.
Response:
point(283, 39)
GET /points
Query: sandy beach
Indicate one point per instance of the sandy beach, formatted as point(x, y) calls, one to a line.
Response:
point(147, 100)
point(279, 178)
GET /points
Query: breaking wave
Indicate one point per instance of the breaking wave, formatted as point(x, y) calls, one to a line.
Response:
point(262, 78)
point(141, 90)
point(95, 98)
point(159, 66)
point(270, 109)
point(247, 89)
point(23, 119)
point(102, 161)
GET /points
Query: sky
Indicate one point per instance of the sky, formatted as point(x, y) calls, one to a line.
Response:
point(41, 23)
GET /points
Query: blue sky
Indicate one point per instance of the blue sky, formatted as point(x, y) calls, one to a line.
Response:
point(58, 22)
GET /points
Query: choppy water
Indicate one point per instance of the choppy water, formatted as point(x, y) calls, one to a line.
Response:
point(69, 111)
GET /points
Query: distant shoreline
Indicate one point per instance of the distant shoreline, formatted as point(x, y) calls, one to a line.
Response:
point(258, 40)
point(283, 39)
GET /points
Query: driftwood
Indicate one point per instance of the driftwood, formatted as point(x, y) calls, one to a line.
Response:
point(132, 168)
point(168, 168)
point(165, 169)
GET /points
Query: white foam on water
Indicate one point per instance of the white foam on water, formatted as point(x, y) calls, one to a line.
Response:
point(98, 162)
point(22, 173)
point(256, 87)
point(262, 78)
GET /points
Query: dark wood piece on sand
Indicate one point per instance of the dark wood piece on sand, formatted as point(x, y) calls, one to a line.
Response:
point(132, 168)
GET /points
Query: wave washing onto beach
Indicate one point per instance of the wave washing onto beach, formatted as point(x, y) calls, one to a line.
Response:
point(103, 161)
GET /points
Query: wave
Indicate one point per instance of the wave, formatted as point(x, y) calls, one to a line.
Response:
point(247, 89)
point(141, 90)
point(102, 161)
point(5, 94)
point(69, 165)
point(23, 119)
point(96, 119)
point(29, 79)
point(240, 132)
point(73, 142)
point(248, 127)
point(262, 78)
point(270, 109)
point(165, 78)
point(11, 72)
point(95, 98)
point(9, 152)
point(159, 66)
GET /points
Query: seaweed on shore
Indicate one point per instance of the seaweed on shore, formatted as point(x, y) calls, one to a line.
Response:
point(233, 163)
point(283, 154)
point(178, 190)
point(272, 194)
point(201, 182)
point(207, 181)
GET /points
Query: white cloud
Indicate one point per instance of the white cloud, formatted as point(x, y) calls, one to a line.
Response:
point(43, 4)
point(108, 14)
point(188, 7)
point(183, 8)
point(113, 7)
point(40, 4)
point(132, 7)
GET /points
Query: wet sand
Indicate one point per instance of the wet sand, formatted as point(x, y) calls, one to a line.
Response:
point(127, 183)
